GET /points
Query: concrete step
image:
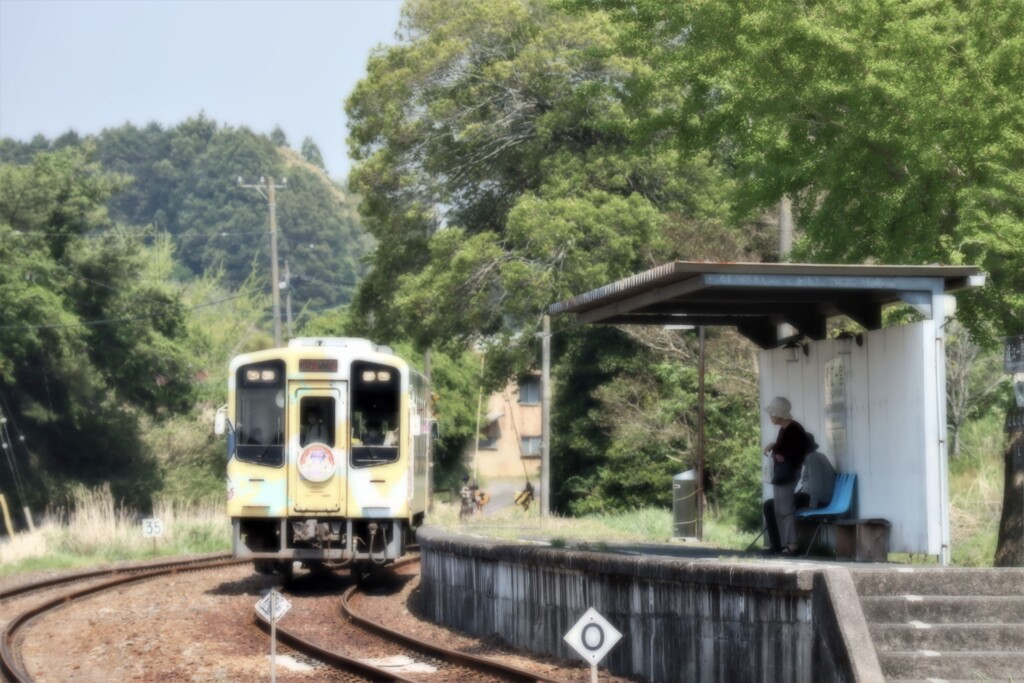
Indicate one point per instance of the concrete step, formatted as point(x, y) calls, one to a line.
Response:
point(948, 637)
point(946, 680)
point(937, 609)
point(939, 581)
point(976, 666)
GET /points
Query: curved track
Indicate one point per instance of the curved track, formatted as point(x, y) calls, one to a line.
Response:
point(10, 665)
point(471, 663)
point(450, 664)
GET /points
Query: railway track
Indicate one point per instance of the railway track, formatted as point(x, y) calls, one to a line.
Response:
point(448, 664)
point(98, 581)
point(354, 665)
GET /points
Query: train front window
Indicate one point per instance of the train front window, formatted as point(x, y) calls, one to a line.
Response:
point(317, 415)
point(376, 399)
point(260, 413)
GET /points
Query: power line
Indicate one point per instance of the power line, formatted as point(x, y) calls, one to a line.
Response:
point(111, 321)
point(296, 243)
point(145, 232)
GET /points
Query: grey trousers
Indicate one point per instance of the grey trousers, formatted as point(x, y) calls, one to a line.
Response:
point(785, 512)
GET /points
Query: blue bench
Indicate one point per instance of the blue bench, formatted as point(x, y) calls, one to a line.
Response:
point(838, 508)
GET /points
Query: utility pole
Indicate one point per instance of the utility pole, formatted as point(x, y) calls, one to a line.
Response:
point(286, 285)
point(701, 441)
point(429, 411)
point(785, 330)
point(275, 285)
point(545, 430)
point(785, 228)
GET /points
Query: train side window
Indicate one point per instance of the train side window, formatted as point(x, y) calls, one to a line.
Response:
point(376, 399)
point(259, 416)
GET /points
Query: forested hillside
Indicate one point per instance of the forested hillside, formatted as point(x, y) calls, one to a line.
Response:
point(134, 266)
point(183, 182)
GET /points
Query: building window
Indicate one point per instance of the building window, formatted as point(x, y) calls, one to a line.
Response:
point(489, 435)
point(531, 445)
point(529, 391)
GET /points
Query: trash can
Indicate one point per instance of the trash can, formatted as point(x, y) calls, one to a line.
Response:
point(684, 504)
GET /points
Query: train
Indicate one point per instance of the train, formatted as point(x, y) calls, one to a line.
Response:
point(328, 445)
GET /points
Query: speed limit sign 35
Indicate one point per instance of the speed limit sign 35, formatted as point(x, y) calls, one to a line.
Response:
point(152, 527)
point(592, 636)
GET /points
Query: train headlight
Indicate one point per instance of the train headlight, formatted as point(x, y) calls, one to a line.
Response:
point(316, 464)
point(261, 375)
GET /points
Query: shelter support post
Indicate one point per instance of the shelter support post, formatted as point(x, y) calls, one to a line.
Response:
point(939, 300)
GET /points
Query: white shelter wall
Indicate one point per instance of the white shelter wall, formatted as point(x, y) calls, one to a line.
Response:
point(879, 422)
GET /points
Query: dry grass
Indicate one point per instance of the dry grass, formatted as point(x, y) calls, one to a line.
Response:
point(647, 525)
point(95, 529)
point(23, 547)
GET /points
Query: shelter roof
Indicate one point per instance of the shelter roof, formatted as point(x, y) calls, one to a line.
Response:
point(758, 297)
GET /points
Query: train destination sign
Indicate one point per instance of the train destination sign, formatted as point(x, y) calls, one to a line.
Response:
point(318, 365)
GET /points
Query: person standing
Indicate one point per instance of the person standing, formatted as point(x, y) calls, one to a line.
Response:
point(787, 453)
point(817, 481)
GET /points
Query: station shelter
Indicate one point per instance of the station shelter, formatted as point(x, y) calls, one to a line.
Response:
point(876, 401)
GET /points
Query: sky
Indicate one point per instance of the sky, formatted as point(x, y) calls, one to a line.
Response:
point(88, 65)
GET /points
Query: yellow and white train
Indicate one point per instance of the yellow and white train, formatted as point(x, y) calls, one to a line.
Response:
point(328, 443)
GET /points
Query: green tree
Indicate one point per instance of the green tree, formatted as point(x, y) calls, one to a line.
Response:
point(640, 390)
point(590, 358)
point(181, 184)
point(144, 155)
point(498, 172)
point(88, 340)
point(185, 185)
point(975, 382)
point(311, 153)
point(14, 152)
point(278, 138)
point(500, 169)
point(896, 128)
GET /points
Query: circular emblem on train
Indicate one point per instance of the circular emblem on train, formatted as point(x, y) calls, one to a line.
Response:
point(316, 463)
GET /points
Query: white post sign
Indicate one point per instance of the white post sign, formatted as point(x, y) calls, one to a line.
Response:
point(593, 637)
point(152, 527)
point(272, 607)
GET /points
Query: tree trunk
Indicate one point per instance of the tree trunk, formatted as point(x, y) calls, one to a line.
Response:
point(1010, 546)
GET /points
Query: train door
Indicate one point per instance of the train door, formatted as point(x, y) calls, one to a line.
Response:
point(318, 446)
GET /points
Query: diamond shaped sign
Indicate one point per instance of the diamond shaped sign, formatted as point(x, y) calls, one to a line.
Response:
point(592, 636)
point(273, 606)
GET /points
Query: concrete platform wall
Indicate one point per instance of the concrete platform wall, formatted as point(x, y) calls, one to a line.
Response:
point(682, 620)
